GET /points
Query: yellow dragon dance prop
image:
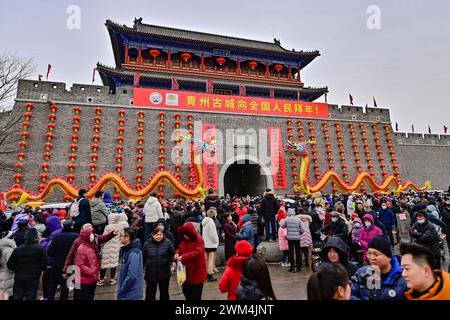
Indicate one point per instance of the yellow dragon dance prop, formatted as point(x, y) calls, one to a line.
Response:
point(301, 149)
point(121, 184)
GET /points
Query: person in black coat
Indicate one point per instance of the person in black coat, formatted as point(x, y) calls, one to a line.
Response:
point(158, 253)
point(335, 251)
point(424, 233)
point(315, 225)
point(84, 209)
point(229, 228)
point(19, 236)
point(269, 208)
point(59, 249)
point(337, 226)
point(28, 262)
point(212, 200)
point(162, 224)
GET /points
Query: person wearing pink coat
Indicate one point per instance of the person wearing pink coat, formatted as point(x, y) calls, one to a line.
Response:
point(283, 245)
point(305, 237)
point(368, 232)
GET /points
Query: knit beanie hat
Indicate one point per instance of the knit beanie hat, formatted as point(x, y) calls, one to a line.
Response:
point(246, 218)
point(381, 244)
point(244, 248)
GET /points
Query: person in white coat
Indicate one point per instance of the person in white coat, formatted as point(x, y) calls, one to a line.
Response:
point(110, 250)
point(152, 212)
point(7, 245)
point(211, 239)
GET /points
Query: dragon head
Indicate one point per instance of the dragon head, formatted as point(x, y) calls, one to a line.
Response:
point(300, 149)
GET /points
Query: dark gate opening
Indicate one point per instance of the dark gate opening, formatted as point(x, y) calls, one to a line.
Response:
point(242, 179)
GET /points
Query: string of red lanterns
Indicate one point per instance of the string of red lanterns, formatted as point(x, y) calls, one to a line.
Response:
point(140, 140)
point(120, 139)
point(379, 150)
point(48, 146)
point(23, 144)
point(366, 149)
point(177, 149)
point(343, 160)
point(315, 159)
point(293, 157)
point(94, 147)
point(392, 152)
point(162, 157)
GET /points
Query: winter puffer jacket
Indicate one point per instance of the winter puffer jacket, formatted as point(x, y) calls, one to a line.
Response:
point(28, 261)
point(111, 249)
point(248, 290)
point(426, 235)
point(6, 276)
point(282, 238)
point(393, 286)
point(86, 258)
point(293, 226)
point(99, 212)
point(131, 283)
point(387, 217)
point(232, 276)
point(158, 258)
point(153, 210)
point(269, 206)
point(60, 248)
point(192, 254)
point(367, 234)
point(246, 233)
point(209, 233)
point(305, 238)
point(339, 245)
point(54, 227)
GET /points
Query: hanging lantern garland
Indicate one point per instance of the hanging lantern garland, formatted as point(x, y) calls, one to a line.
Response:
point(140, 141)
point(355, 147)
point(192, 175)
point(293, 157)
point(23, 143)
point(329, 151)
point(315, 159)
point(379, 151)
point(177, 148)
point(392, 152)
point(94, 147)
point(344, 165)
point(120, 139)
point(162, 156)
point(366, 149)
point(48, 145)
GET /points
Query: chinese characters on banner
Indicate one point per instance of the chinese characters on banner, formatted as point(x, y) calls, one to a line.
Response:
point(165, 99)
point(209, 161)
point(277, 156)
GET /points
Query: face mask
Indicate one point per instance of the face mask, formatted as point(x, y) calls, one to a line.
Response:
point(161, 228)
point(384, 207)
point(91, 237)
point(358, 225)
point(367, 223)
point(334, 219)
point(420, 221)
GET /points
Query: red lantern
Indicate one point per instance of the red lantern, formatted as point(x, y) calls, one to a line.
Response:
point(52, 117)
point(120, 139)
point(252, 64)
point(48, 145)
point(54, 108)
point(74, 137)
point(94, 157)
point(121, 113)
point(98, 110)
point(17, 177)
point(177, 124)
point(140, 140)
point(140, 131)
point(139, 157)
point(278, 67)
point(70, 177)
point(29, 106)
point(23, 144)
point(139, 177)
point(119, 158)
point(119, 149)
point(44, 166)
point(96, 128)
point(51, 126)
point(97, 119)
point(93, 166)
point(139, 167)
point(92, 176)
point(162, 149)
point(49, 136)
point(95, 137)
point(25, 135)
point(19, 166)
point(189, 117)
point(162, 123)
point(161, 140)
point(116, 197)
point(94, 147)
point(119, 167)
point(185, 56)
point(26, 124)
point(140, 149)
point(141, 114)
point(162, 158)
point(154, 53)
point(220, 60)
point(73, 147)
point(72, 157)
point(162, 166)
point(71, 167)
point(47, 155)
point(77, 110)
point(21, 156)
point(75, 127)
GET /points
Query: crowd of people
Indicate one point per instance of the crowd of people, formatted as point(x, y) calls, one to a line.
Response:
point(380, 247)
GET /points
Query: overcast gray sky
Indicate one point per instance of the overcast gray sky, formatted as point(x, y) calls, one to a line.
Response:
point(405, 64)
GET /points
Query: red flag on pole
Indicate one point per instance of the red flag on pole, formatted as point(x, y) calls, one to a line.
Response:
point(93, 75)
point(396, 126)
point(412, 127)
point(272, 93)
point(429, 129)
point(175, 85)
point(137, 79)
point(375, 103)
point(49, 68)
point(445, 129)
point(242, 90)
point(351, 99)
point(40, 77)
point(209, 86)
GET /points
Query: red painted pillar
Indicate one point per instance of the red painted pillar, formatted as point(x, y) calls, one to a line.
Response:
point(169, 59)
point(140, 55)
point(267, 70)
point(127, 55)
point(202, 63)
point(290, 73)
point(238, 70)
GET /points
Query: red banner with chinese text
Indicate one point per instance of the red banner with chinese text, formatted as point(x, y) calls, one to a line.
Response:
point(209, 163)
point(184, 100)
point(277, 156)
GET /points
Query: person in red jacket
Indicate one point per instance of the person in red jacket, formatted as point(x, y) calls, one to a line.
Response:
point(86, 260)
point(191, 254)
point(232, 274)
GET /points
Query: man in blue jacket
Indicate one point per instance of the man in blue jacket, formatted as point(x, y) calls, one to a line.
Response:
point(382, 279)
point(84, 209)
point(387, 217)
point(131, 278)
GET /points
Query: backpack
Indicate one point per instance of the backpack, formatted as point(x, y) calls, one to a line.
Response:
point(74, 208)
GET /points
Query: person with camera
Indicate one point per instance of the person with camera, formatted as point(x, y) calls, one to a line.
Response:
point(382, 279)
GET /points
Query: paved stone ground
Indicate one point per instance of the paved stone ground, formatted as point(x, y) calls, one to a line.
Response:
point(287, 286)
